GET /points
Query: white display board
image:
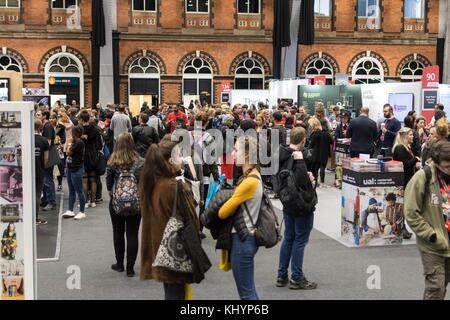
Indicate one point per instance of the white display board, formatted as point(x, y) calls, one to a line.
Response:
point(375, 96)
point(249, 97)
point(444, 97)
point(17, 201)
point(284, 89)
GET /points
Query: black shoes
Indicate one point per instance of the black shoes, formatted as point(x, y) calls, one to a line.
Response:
point(282, 282)
point(130, 272)
point(303, 284)
point(406, 235)
point(117, 267)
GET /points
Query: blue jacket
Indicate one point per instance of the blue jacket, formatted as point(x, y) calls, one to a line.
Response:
point(392, 126)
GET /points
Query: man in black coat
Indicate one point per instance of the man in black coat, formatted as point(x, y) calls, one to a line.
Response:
point(144, 135)
point(363, 132)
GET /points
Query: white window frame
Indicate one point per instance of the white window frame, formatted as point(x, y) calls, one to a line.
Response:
point(7, 6)
point(377, 15)
point(76, 6)
point(423, 11)
point(12, 59)
point(156, 7)
point(248, 9)
point(198, 76)
point(144, 76)
point(412, 78)
point(250, 76)
point(368, 77)
point(327, 65)
point(197, 12)
point(79, 75)
point(329, 8)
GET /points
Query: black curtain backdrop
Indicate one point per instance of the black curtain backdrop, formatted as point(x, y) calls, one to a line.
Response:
point(116, 65)
point(281, 33)
point(440, 52)
point(97, 41)
point(306, 28)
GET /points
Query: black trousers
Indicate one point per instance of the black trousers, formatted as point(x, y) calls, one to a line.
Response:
point(39, 188)
point(130, 226)
point(99, 188)
point(174, 291)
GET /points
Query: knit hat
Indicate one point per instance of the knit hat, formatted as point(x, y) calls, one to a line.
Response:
point(372, 201)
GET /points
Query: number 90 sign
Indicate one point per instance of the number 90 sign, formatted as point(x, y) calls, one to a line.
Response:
point(430, 78)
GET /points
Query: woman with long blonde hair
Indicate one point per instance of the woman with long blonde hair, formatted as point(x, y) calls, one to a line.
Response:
point(122, 180)
point(402, 152)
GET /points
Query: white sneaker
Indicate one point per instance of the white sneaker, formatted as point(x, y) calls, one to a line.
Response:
point(68, 214)
point(80, 216)
point(93, 205)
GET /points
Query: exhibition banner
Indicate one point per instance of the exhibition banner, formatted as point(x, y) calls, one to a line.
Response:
point(375, 96)
point(430, 99)
point(430, 77)
point(444, 97)
point(249, 97)
point(372, 208)
point(372, 179)
point(284, 90)
point(17, 201)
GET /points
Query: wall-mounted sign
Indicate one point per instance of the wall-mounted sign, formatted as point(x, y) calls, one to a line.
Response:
point(430, 77)
point(430, 99)
point(63, 81)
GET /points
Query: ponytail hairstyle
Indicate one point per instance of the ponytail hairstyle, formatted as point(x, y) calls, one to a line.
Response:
point(251, 147)
point(156, 166)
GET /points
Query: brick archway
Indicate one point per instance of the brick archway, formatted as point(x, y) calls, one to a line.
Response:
point(144, 53)
point(319, 55)
point(368, 54)
point(16, 55)
point(75, 52)
point(202, 55)
point(254, 55)
point(410, 58)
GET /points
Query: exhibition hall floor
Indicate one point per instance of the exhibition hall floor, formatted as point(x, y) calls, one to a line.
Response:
point(341, 272)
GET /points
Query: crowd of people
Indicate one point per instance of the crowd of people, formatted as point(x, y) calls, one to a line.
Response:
point(150, 181)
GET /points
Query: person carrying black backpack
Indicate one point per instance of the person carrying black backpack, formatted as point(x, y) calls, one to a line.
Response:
point(299, 202)
point(122, 179)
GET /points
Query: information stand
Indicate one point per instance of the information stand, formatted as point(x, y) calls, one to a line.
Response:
point(17, 201)
point(368, 218)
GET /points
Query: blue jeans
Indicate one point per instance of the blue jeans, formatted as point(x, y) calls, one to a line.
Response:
point(243, 265)
point(296, 236)
point(75, 181)
point(49, 187)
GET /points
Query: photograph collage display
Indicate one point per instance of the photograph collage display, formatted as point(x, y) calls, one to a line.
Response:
point(11, 208)
point(372, 216)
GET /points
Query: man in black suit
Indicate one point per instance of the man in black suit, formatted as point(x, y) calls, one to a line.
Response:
point(363, 132)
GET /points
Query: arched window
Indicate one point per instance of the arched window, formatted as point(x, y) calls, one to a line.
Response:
point(368, 70)
point(144, 77)
point(249, 74)
point(412, 71)
point(64, 64)
point(197, 79)
point(64, 76)
point(320, 66)
point(9, 63)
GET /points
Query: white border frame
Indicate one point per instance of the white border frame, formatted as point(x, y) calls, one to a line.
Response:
point(152, 11)
point(248, 14)
point(8, 7)
point(26, 110)
point(12, 58)
point(76, 5)
point(197, 12)
point(79, 75)
point(197, 76)
point(423, 11)
point(330, 2)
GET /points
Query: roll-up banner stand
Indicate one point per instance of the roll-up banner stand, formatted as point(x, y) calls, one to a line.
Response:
point(17, 201)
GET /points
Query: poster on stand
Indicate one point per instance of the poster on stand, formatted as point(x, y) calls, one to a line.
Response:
point(372, 208)
point(249, 97)
point(284, 89)
point(17, 211)
point(444, 97)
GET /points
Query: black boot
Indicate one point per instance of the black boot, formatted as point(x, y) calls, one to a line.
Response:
point(405, 234)
point(118, 267)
